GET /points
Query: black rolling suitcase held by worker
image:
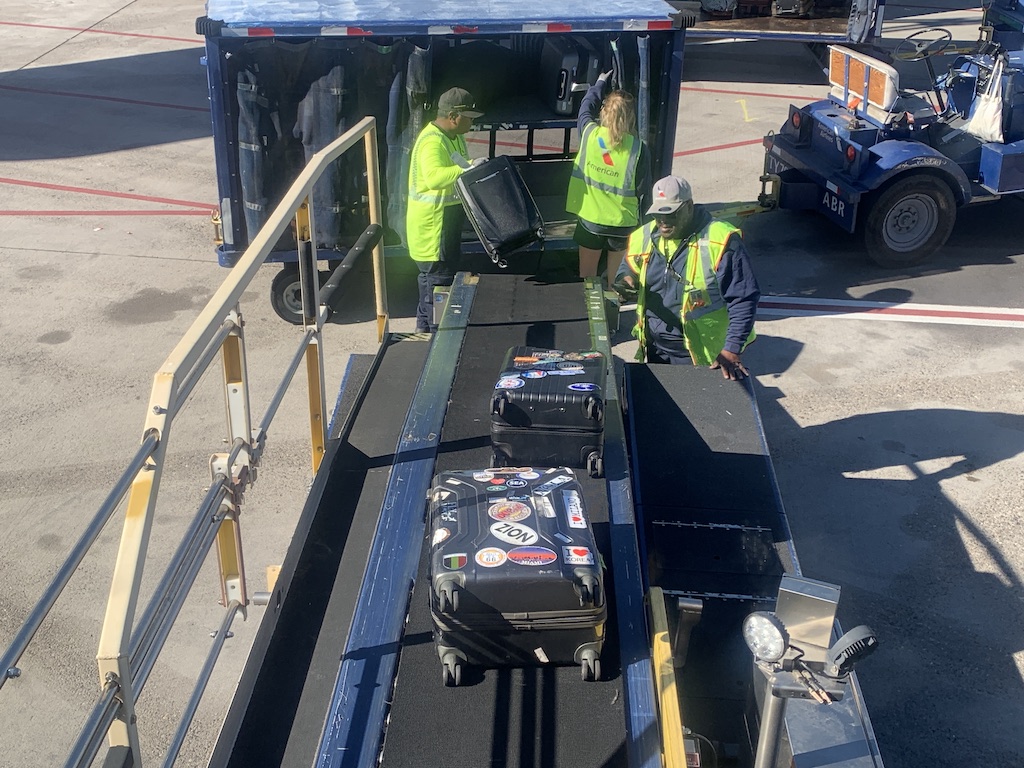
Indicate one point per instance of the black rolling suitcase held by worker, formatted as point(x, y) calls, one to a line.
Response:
point(515, 574)
point(547, 409)
point(500, 207)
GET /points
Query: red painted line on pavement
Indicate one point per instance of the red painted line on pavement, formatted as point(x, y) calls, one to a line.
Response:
point(105, 193)
point(106, 213)
point(733, 145)
point(99, 31)
point(514, 144)
point(801, 98)
point(834, 309)
point(97, 97)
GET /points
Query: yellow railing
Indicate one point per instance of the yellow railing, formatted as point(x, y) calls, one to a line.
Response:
point(126, 655)
point(670, 716)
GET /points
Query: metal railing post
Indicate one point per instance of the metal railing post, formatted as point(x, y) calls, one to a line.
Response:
point(112, 657)
point(380, 288)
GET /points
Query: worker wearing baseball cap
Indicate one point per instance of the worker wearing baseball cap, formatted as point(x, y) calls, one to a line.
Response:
point(435, 215)
point(695, 290)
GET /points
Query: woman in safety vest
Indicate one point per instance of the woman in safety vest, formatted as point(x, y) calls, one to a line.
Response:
point(609, 178)
point(696, 294)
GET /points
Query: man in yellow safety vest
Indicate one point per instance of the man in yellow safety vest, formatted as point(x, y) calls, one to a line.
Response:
point(695, 290)
point(435, 215)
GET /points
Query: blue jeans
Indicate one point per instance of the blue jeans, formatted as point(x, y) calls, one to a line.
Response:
point(442, 271)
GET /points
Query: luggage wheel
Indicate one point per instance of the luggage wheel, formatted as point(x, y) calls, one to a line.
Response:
point(448, 598)
point(590, 592)
point(451, 671)
point(590, 666)
point(594, 409)
point(498, 405)
point(498, 460)
point(595, 464)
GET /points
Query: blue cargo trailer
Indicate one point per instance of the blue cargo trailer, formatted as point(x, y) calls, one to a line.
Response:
point(287, 78)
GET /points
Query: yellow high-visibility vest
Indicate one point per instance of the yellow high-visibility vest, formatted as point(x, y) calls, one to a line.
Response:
point(602, 188)
point(704, 314)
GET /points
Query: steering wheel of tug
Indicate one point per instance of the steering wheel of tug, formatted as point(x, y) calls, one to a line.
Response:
point(913, 48)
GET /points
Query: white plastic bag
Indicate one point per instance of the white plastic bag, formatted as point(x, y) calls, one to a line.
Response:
point(986, 120)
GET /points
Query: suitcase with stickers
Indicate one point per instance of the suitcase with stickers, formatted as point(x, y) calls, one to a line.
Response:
point(547, 409)
point(515, 574)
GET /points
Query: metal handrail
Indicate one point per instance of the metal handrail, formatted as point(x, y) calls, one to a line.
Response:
point(127, 653)
point(173, 581)
point(41, 610)
point(219, 637)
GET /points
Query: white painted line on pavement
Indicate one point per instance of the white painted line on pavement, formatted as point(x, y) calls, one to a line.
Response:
point(793, 306)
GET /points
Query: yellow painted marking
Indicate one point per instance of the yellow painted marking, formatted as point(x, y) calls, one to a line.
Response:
point(746, 117)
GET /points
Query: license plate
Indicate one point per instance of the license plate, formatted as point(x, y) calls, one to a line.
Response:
point(835, 207)
point(772, 164)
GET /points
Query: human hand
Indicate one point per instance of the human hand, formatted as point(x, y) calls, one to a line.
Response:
point(731, 365)
point(604, 77)
point(478, 161)
point(625, 287)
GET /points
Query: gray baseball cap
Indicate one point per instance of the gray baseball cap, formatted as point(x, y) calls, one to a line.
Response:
point(668, 194)
point(458, 100)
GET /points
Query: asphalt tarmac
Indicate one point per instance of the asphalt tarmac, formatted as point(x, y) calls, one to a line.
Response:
point(893, 402)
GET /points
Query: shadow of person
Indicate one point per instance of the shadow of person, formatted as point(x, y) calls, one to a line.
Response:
point(901, 509)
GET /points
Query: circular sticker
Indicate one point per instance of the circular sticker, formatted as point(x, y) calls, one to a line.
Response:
point(509, 382)
point(583, 387)
point(573, 356)
point(496, 480)
point(532, 556)
point(570, 366)
point(513, 482)
point(513, 511)
point(534, 374)
point(529, 475)
point(490, 557)
point(482, 477)
point(496, 489)
point(440, 535)
point(549, 354)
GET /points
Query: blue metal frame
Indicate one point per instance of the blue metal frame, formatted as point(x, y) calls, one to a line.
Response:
point(355, 717)
point(643, 741)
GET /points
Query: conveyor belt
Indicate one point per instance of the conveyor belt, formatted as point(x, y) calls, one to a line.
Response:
point(286, 686)
point(532, 717)
point(713, 523)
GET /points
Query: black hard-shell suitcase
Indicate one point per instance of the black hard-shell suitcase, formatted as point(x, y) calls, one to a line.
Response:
point(500, 207)
point(547, 409)
point(515, 573)
point(559, 67)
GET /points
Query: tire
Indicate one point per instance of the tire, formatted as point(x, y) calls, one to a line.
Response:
point(908, 221)
point(286, 294)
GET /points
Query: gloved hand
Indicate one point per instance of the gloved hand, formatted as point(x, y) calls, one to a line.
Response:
point(625, 287)
point(604, 77)
point(478, 161)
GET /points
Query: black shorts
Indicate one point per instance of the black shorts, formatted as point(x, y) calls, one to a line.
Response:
point(588, 239)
